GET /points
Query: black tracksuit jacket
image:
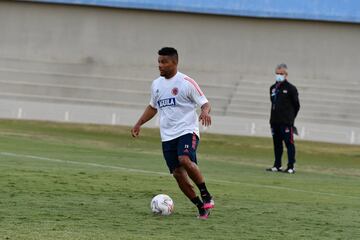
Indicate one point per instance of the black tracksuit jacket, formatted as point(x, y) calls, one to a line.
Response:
point(285, 103)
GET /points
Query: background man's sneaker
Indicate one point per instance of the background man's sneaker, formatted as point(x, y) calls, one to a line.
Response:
point(290, 170)
point(209, 204)
point(274, 169)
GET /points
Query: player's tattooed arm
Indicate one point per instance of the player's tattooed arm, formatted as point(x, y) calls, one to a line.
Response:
point(204, 117)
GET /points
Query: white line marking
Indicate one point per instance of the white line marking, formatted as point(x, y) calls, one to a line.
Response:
point(80, 163)
point(9, 154)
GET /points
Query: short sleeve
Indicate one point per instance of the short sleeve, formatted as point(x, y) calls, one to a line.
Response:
point(153, 97)
point(195, 92)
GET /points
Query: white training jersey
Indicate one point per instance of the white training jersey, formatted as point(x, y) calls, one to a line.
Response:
point(176, 100)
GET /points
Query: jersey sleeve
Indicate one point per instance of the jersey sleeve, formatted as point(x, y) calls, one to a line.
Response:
point(153, 99)
point(195, 92)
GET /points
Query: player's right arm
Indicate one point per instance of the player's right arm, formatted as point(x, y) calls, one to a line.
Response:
point(148, 114)
point(205, 117)
point(199, 98)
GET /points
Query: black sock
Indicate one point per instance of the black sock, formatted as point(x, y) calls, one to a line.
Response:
point(205, 195)
point(198, 203)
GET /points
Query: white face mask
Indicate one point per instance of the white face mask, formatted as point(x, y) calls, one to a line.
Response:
point(279, 78)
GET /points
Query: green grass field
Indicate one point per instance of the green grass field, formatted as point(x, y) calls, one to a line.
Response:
point(68, 181)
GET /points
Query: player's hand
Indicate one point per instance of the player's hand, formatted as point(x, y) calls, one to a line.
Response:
point(205, 119)
point(135, 131)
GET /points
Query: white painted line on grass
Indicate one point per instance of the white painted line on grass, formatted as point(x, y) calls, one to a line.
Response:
point(9, 154)
point(80, 163)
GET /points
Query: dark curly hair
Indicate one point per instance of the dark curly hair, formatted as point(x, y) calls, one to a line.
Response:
point(168, 51)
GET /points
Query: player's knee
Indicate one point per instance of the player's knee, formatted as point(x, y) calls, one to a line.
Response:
point(177, 173)
point(184, 160)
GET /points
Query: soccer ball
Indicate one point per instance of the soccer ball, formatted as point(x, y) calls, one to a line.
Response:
point(162, 204)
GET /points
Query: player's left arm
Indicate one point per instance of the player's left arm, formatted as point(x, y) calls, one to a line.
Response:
point(205, 117)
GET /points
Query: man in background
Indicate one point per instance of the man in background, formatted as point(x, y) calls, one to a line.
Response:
point(285, 106)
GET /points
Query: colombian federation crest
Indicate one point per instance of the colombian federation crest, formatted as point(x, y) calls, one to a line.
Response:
point(175, 91)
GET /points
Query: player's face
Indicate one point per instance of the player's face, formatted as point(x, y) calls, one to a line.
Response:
point(167, 66)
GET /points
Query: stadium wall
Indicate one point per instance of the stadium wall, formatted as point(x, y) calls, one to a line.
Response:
point(110, 43)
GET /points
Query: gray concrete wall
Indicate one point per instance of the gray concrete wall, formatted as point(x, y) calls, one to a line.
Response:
point(224, 46)
point(103, 44)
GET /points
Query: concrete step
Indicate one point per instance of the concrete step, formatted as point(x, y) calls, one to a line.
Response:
point(301, 82)
point(54, 99)
point(78, 92)
point(98, 82)
point(315, 118)
point(304, 91)
point(343, 99)
point(91, 68)
point(305, 106)
point(305, 113)
point(75, 80)
point(81, 67)
point(335, 121)
point(86, 101)
point(90, 94)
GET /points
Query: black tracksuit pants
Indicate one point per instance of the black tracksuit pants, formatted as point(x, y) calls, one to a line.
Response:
point(280, 134)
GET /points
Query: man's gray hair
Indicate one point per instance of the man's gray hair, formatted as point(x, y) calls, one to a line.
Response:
point(281, 65)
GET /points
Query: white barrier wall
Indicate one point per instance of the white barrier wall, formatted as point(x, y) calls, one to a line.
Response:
point(126, 116)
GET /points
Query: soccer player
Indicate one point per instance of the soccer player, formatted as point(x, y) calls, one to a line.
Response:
point(175, 96)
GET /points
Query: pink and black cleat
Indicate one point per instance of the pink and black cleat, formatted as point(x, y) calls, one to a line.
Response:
point(204, 214)
point(209, 204)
